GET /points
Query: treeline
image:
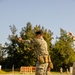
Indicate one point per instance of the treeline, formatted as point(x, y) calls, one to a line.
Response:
point(19, 54)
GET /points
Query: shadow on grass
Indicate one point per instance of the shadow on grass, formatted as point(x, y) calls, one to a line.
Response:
point(3, 71)
point(7, 70)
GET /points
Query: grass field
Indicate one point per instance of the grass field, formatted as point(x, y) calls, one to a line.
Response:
point(18, 73)
point(34, 74)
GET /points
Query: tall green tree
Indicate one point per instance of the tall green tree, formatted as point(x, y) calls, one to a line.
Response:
point(11, 49)
point(27, 33)
point(1, 53)
point(63, 51)
point(20, 54)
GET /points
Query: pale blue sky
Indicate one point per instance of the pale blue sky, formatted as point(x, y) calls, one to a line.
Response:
point(52, 14)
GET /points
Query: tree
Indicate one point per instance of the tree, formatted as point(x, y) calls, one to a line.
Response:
point(21, 54)
point(28, 58)
point(11, 49)
point(63, 51)
point(1, 53)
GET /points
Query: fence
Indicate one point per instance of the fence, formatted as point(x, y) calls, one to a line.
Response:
point(25, 69)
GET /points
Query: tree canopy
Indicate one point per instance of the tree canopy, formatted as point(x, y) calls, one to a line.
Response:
point(19, 54)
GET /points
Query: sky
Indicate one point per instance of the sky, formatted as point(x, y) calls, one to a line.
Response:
point(51, 14)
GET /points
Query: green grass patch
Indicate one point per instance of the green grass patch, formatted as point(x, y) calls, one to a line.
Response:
point(2, 72)
point(9, 72)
